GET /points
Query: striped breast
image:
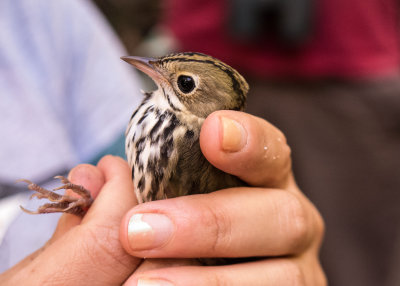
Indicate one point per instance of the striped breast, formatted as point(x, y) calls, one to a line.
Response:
point(151, 150)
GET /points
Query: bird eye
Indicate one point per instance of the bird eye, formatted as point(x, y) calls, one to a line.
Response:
point(186, 83)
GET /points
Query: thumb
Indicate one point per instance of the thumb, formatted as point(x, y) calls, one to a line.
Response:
point(248, 147)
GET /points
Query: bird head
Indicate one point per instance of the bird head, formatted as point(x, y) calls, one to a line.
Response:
point(201, 83)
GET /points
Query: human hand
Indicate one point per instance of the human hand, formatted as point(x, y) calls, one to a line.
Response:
point(278, 223)
point(271, 220)
point(85, 251)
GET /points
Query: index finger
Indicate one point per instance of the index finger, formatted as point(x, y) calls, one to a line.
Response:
point(248, 147)
point(117, 196)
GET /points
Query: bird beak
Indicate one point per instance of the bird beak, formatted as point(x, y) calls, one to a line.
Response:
point(145, 65)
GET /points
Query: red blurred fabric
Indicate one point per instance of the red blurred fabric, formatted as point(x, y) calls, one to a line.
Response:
point(352, 38)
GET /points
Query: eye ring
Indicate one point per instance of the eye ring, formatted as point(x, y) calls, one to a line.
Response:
point(186, 83)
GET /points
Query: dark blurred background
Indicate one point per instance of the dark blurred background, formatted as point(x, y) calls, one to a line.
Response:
point(133, 21)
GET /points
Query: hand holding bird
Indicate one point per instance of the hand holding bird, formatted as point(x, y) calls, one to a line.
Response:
point(237, 151)
point(270, 219)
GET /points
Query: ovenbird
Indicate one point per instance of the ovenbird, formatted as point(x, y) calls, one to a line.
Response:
point(162, 138)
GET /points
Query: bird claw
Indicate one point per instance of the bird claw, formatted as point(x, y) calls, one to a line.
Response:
point(60, 203)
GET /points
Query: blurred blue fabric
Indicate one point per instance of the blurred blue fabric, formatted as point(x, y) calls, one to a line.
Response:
point(65, 98)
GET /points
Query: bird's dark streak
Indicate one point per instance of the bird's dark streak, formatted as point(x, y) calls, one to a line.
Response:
point(165, 114)
point(166, 151)
point(141, 184)
point(140, 167)
point(150, 170)
point(156, 127)
point(144, 115)
point(137, 158)
point(151, 165)
point(144, 101)
point(170, 102)
point(159, 173)
point(189, 134)
point(139, 148)
point(152, 195)
point(173, 55)
point(147, 95)
point(235, 85)
point(154, 167)
point(139, 144)
point(221, 66)
point(170, 128)
point(155, 184)
point(136, 111)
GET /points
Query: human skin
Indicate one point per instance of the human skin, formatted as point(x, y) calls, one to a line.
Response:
point(271, 220)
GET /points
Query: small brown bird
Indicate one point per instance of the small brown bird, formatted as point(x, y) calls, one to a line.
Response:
point(162, 138)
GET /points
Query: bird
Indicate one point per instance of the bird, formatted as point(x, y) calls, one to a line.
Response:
point(162, 137)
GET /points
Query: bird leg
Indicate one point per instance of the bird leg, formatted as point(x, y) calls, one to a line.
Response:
point(60, 203)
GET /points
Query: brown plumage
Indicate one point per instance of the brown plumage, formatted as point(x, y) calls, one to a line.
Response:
point(162, 139)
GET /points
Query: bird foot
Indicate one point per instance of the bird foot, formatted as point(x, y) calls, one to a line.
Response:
point(60, 203)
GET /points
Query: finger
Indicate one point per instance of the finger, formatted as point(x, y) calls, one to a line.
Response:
point(92, 251)
point(88, 176)
point(92, 179)
point(238, 222)
point(272, 272)
point(248, 147)
point(117, 196)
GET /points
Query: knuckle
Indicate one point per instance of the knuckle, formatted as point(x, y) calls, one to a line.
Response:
point(285, 148)
point(220, 227)
point(296, 220)
point(280, 136)
point(278, 161)
point(287, 152)
point(319, 226)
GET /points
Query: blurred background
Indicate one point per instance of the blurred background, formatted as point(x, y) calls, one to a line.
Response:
point(325, 72)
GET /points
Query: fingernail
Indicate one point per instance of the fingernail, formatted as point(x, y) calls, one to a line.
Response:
point(233, 135)
point(147, 231)
point(153, 282)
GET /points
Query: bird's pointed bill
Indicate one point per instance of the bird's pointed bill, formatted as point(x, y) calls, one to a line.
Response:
point(145, 65)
